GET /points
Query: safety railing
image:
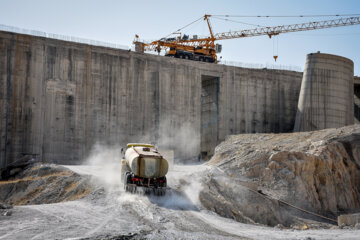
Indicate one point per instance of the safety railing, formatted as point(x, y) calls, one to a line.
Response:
point(118, 46)
point(262, 66)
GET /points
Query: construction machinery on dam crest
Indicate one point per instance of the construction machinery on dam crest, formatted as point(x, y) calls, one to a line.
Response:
point(204, 49)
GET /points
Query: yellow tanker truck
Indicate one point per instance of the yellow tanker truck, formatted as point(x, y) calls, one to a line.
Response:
point(143, 169)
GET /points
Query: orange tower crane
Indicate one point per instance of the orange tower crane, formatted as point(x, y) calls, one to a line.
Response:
point(205, 49)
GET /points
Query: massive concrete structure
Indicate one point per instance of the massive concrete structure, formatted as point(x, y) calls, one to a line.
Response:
point(327, 93)
point(58, 98)
point(357, 99)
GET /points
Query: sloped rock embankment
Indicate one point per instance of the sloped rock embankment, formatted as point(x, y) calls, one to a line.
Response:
point(315, 171)
point(37, 183)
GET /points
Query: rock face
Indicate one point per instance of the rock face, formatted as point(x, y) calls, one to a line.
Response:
point(316, 171)
point(43, 183)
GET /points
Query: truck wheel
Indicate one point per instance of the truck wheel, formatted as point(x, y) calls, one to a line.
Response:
point(156, 191)
point(159, 192)
point(187, 57)
point(126, 181)
point(165, 182)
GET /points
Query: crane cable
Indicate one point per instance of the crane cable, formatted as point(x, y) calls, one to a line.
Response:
point(257, 25)
point(226, 19)
point(275, 47)
point(184, 26)
point(257, 16)
point(285, 16)
point(213, 16)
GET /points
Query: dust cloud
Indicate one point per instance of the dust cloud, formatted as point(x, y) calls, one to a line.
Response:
point(105, 164)
point(183, 139)
point(184, 185)
point(180, 195)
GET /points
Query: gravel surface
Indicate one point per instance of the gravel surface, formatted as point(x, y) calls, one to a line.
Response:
point(110, 213)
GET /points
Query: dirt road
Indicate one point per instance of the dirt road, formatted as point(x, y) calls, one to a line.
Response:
point(110, 213)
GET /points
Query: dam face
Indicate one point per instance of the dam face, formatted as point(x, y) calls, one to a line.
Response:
point(58, 99)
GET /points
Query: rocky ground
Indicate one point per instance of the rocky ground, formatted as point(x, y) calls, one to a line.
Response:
point(43, 183)
point(239, 194)
point(254, 176)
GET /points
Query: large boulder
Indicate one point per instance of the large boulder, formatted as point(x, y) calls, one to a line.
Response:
point(271, 178)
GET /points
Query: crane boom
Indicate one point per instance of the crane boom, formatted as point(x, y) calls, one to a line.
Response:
point(271, 31)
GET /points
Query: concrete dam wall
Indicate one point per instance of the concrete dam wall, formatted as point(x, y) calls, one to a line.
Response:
point(58, 98)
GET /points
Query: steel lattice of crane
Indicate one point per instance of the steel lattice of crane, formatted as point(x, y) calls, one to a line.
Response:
point(271, 31)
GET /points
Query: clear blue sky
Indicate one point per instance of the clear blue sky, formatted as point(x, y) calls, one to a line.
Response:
point(118, 21)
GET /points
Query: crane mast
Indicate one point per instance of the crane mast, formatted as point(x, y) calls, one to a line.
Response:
point(205, 49)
